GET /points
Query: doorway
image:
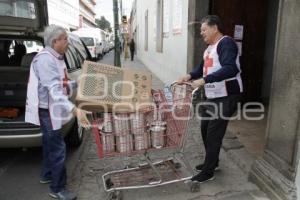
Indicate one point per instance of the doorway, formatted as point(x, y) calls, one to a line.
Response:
point(246, 19)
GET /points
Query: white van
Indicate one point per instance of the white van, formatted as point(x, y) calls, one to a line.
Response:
point(105, 42)
point(92, 38)
point(21, 29)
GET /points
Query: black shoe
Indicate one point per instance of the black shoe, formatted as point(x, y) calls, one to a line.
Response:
point(200, 167)
point(203, 177)
point(63, 195)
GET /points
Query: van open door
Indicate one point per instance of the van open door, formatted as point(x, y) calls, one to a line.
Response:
point(23, 15)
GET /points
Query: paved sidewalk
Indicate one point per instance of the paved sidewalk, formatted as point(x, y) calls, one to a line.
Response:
point(230, 182)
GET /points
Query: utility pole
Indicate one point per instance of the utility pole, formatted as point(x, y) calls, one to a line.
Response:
point(117, 60)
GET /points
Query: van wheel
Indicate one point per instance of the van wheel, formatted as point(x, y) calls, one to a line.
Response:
point(75, 136)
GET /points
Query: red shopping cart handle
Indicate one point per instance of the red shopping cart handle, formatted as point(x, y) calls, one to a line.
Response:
point(188, 83)
point(183, 83)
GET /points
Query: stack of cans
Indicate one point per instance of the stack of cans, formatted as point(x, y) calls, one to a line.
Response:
point(124, 141)
point(124, 133)
point(108, 138)
point(107, 123)
point(141, 136)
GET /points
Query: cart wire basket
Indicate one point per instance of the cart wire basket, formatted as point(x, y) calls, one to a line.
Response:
point(160, 126)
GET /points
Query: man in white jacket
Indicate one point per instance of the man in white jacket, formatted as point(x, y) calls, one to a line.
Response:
point(48, 105)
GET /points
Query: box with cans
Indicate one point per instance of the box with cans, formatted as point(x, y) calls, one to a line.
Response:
point(106, 88)
point(128, 132)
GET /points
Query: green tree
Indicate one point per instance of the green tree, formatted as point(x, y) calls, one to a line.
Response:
point(103, 24)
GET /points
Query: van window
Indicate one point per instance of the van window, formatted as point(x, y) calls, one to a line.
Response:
point(18, 52)
point(29, 44)
point(75, 58)
point(33, 46)
point(79, 47)
point(71, 65)
point(78, 59)
point(24, 9)
point(88, 41)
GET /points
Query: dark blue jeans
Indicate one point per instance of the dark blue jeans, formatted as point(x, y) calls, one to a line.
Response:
point(54, 153)
point(213, 130)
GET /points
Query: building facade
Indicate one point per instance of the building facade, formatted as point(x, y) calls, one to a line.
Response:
point(72, 14)
point(161, 36)
point(267, 34)
point(87, 13)
point(133, 22)
point(64, 13)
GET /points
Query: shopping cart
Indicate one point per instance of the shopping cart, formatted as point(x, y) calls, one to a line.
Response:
point(161, 126)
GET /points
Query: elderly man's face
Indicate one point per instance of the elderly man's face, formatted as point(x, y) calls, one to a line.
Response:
point(61, 44)
point(208, 33)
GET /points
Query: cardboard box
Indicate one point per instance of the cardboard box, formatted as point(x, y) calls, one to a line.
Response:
point(108, 88)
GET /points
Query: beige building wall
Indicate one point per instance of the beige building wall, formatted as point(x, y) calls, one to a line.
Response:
point(64, 13)
point(163, 46)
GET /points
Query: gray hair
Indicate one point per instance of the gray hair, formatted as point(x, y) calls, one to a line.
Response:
point(212, 20)
point(51, 33)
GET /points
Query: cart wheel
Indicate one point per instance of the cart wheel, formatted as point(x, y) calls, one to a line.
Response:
point(115, 195)
point(177, 165)
point(195, 187)
point(109, 183)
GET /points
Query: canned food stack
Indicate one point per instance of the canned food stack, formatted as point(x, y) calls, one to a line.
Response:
point(107, 123)
point(124, 141)
point(108, 138)
point(125, 133)
point(138, 129)
point(108, 141)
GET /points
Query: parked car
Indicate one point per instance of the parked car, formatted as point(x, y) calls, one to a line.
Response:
point(93, 39)
point(22, 24)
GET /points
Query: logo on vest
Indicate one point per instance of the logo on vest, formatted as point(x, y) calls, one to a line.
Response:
point(208, 62)
point(210, 86)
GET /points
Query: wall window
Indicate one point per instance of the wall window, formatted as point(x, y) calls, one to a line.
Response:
point(146, 30)
point(159, 26)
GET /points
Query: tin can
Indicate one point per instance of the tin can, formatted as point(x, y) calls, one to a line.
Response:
point(159, 123)
point(124, 143)
point(121, 124)
point(107, 123)
point(157, 136)
point(137, 123)
point(141, 141)
point(141, 136)
point(108, 141)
